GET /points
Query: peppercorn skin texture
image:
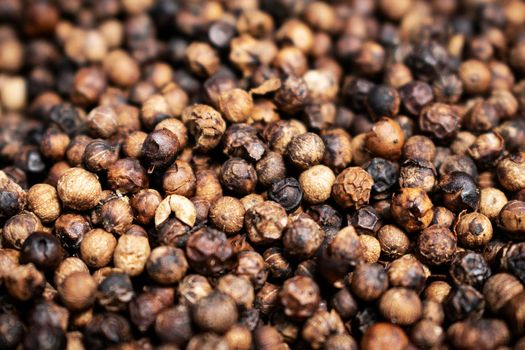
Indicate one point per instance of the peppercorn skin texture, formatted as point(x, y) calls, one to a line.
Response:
point(384, 336)
point(412, 209)
point(352, 187)
point(300, 296)
point(79, 189)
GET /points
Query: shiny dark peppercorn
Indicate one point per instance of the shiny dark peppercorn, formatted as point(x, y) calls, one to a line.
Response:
point(43, 250)
point(384, 173)
point(115, 292)
point(326, 216)
point(287, 192)
point(160, 148)
point(382, 101)
point(460, 192)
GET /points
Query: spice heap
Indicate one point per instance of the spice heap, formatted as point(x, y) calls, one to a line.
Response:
point(262, 174)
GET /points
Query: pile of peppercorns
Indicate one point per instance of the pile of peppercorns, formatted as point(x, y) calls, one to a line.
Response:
point(262, 174)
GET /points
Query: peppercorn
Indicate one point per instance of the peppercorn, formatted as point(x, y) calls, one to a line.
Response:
point(490, 333)
point(131, 254)
point(53, 144)
point(463, 302)
point(12, 331)
point(127, 176)
point(238, 176)
point(265, 222)
point(43, 200)
point(205, 124)
point(316, 183)
point(67, 267)
point(239, 289)
point(384, 173)
point(144, 204)
point(160, 148)
point(475, 76)
point(105, 330)
point(99, 155)
point(236, 105)
point(43, 250)
point(278, 266)
point(270, 169)
point(145, 307)
point(419, 147)
point(369, 281)
point(183, 209)
point(202, 59)
point(437, 245)
point(250, 264)
point(208, 252)
point(459, 191)
point(267, 298)
point(173, 325)
point(45, 336)
point(352, 187)
point(382, 101)
point(79, 189)
point(215, 312)
point(300, 297)
point(305, 150)
point(509, 218)
point(481, 117)
point(383, 336)
point(227, 215)
point(25, 282)
point(77, 291)
point(499, 289)
point(406, 272)
point(302, 237)
point(440, 121)
point(393, 241)
point(371, 248)
point(19, 227)
point(241, 140)
point(510, 171)
point(97, 247)
point(412, 209)
point(462, 142)
point(400, 305)
point(473, 230)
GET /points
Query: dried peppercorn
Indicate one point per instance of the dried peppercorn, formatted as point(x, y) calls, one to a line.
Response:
point(471, 333)
point(459, 191)
point(238, 176)
point(473, 230)
point(382, 101)
point(412, 209)
point(439, 120)
point(302, 237)
point(352, 187)
point(43, 250)
point(300, 297)
point(208, 251)
point(369, 281)
point(305, 150)
point(464, 301)
point(287, 192)
point(437, 245)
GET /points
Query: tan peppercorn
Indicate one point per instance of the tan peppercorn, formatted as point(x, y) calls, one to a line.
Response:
point(408, 272)
point(511, 172)
point(239, 289)
point(499, 289)
point(77, 291)
point(400, 306)
point(205, 124)
point(67, 267)
point(19, 227)
point(316, 183)
point(116, 215)
point(9, 259)
point(371, 248)
point(177, 127)
point(305, 150)
point(412, 209)
point(352, 187)
point(97, 247)
point(79, 189)
point(297, 33)
point(491, 201)
point(216, 312)
point(179, 179)
point(227, 214)
point(131, 254)
point(300, 297)
point(394, 242)
point(144, 205)
point(475, 76)
point(202, 59)
point(236, 105)
point(437, 291)
point(384, 336)
point(121, 68)
point(510, 219)
point(386, 139)
point(473, 230)
point(25, 282)
point(318, 328)
point(279, 134)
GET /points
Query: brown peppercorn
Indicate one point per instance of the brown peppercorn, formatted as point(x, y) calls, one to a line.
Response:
point(242, 140)
point(302, 237)
point(305, 150)
point(510, 219)
point(97, 247)
point(208, 251)
point(67, 267)
point(300, 297)
point(77, 291)
point(427, 334)
point(417, 173)
point(415, 95)
point(386, 139)
point(352, 187)
point(179, 179)
point(292, 96)
point(250, 264)
point(462, 142)
point(500, 289)
point(412, 209)
point(437, 291)
point(384, 336)
point(407, 272)
point(440, 121)
point(131, 254)
point(481, 117)
point(473, 230)
point(236, 105)
point(464, 302)
point(470, 268)
point(270, 169)
point(511, 172)
point(127, 176)
point(370, 59)
point(239, 289)
point(99, 155)
point(227, 215)
point(238, 176)
point(70, 228)
point(54, 144)
point(265, 222)
point(382, 101)
point(487, 149)
point(369, 281)
point(102, 122)
point(25, 282)
point(145, 307)
point(205, 124)
point(320, 326)
point(166, 265)
point(216, 312)
point(173, 325)
point(338, 149)
point(160, 148)
point(394, 242)
point(177, 127)
point(475, 76)
point(43, 200)
point(371, 248)
point(316, 183)
point(144, 204)
point(267, 298)
point(19, 227)
point(106, 329)
point(277, 263)
point(154, 109)
point(192, 288)
point(208, 185)
point(239, 337)
point(116, 215)
point(76, 148)
point(400, 306)
point(486, 333)
point(79, 189)
point(322, 86)
point(436, 245)
point(460, 191)
point(419, 147)
point(491, 201)
point(278, 134)
point(202, 59)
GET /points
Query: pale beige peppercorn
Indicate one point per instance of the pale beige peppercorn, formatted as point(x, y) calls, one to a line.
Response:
point(79, 189)
point(131, 254)
point(97, 247)
point(316, 183)
point(43, 200)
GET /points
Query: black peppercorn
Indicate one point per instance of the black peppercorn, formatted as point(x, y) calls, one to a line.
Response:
point(43, 250)
point(238, 176)
point(384, 173)
point(464, 301)
point(469, 268)
point(287, 192)
point(459, 191)
point(382, 101)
